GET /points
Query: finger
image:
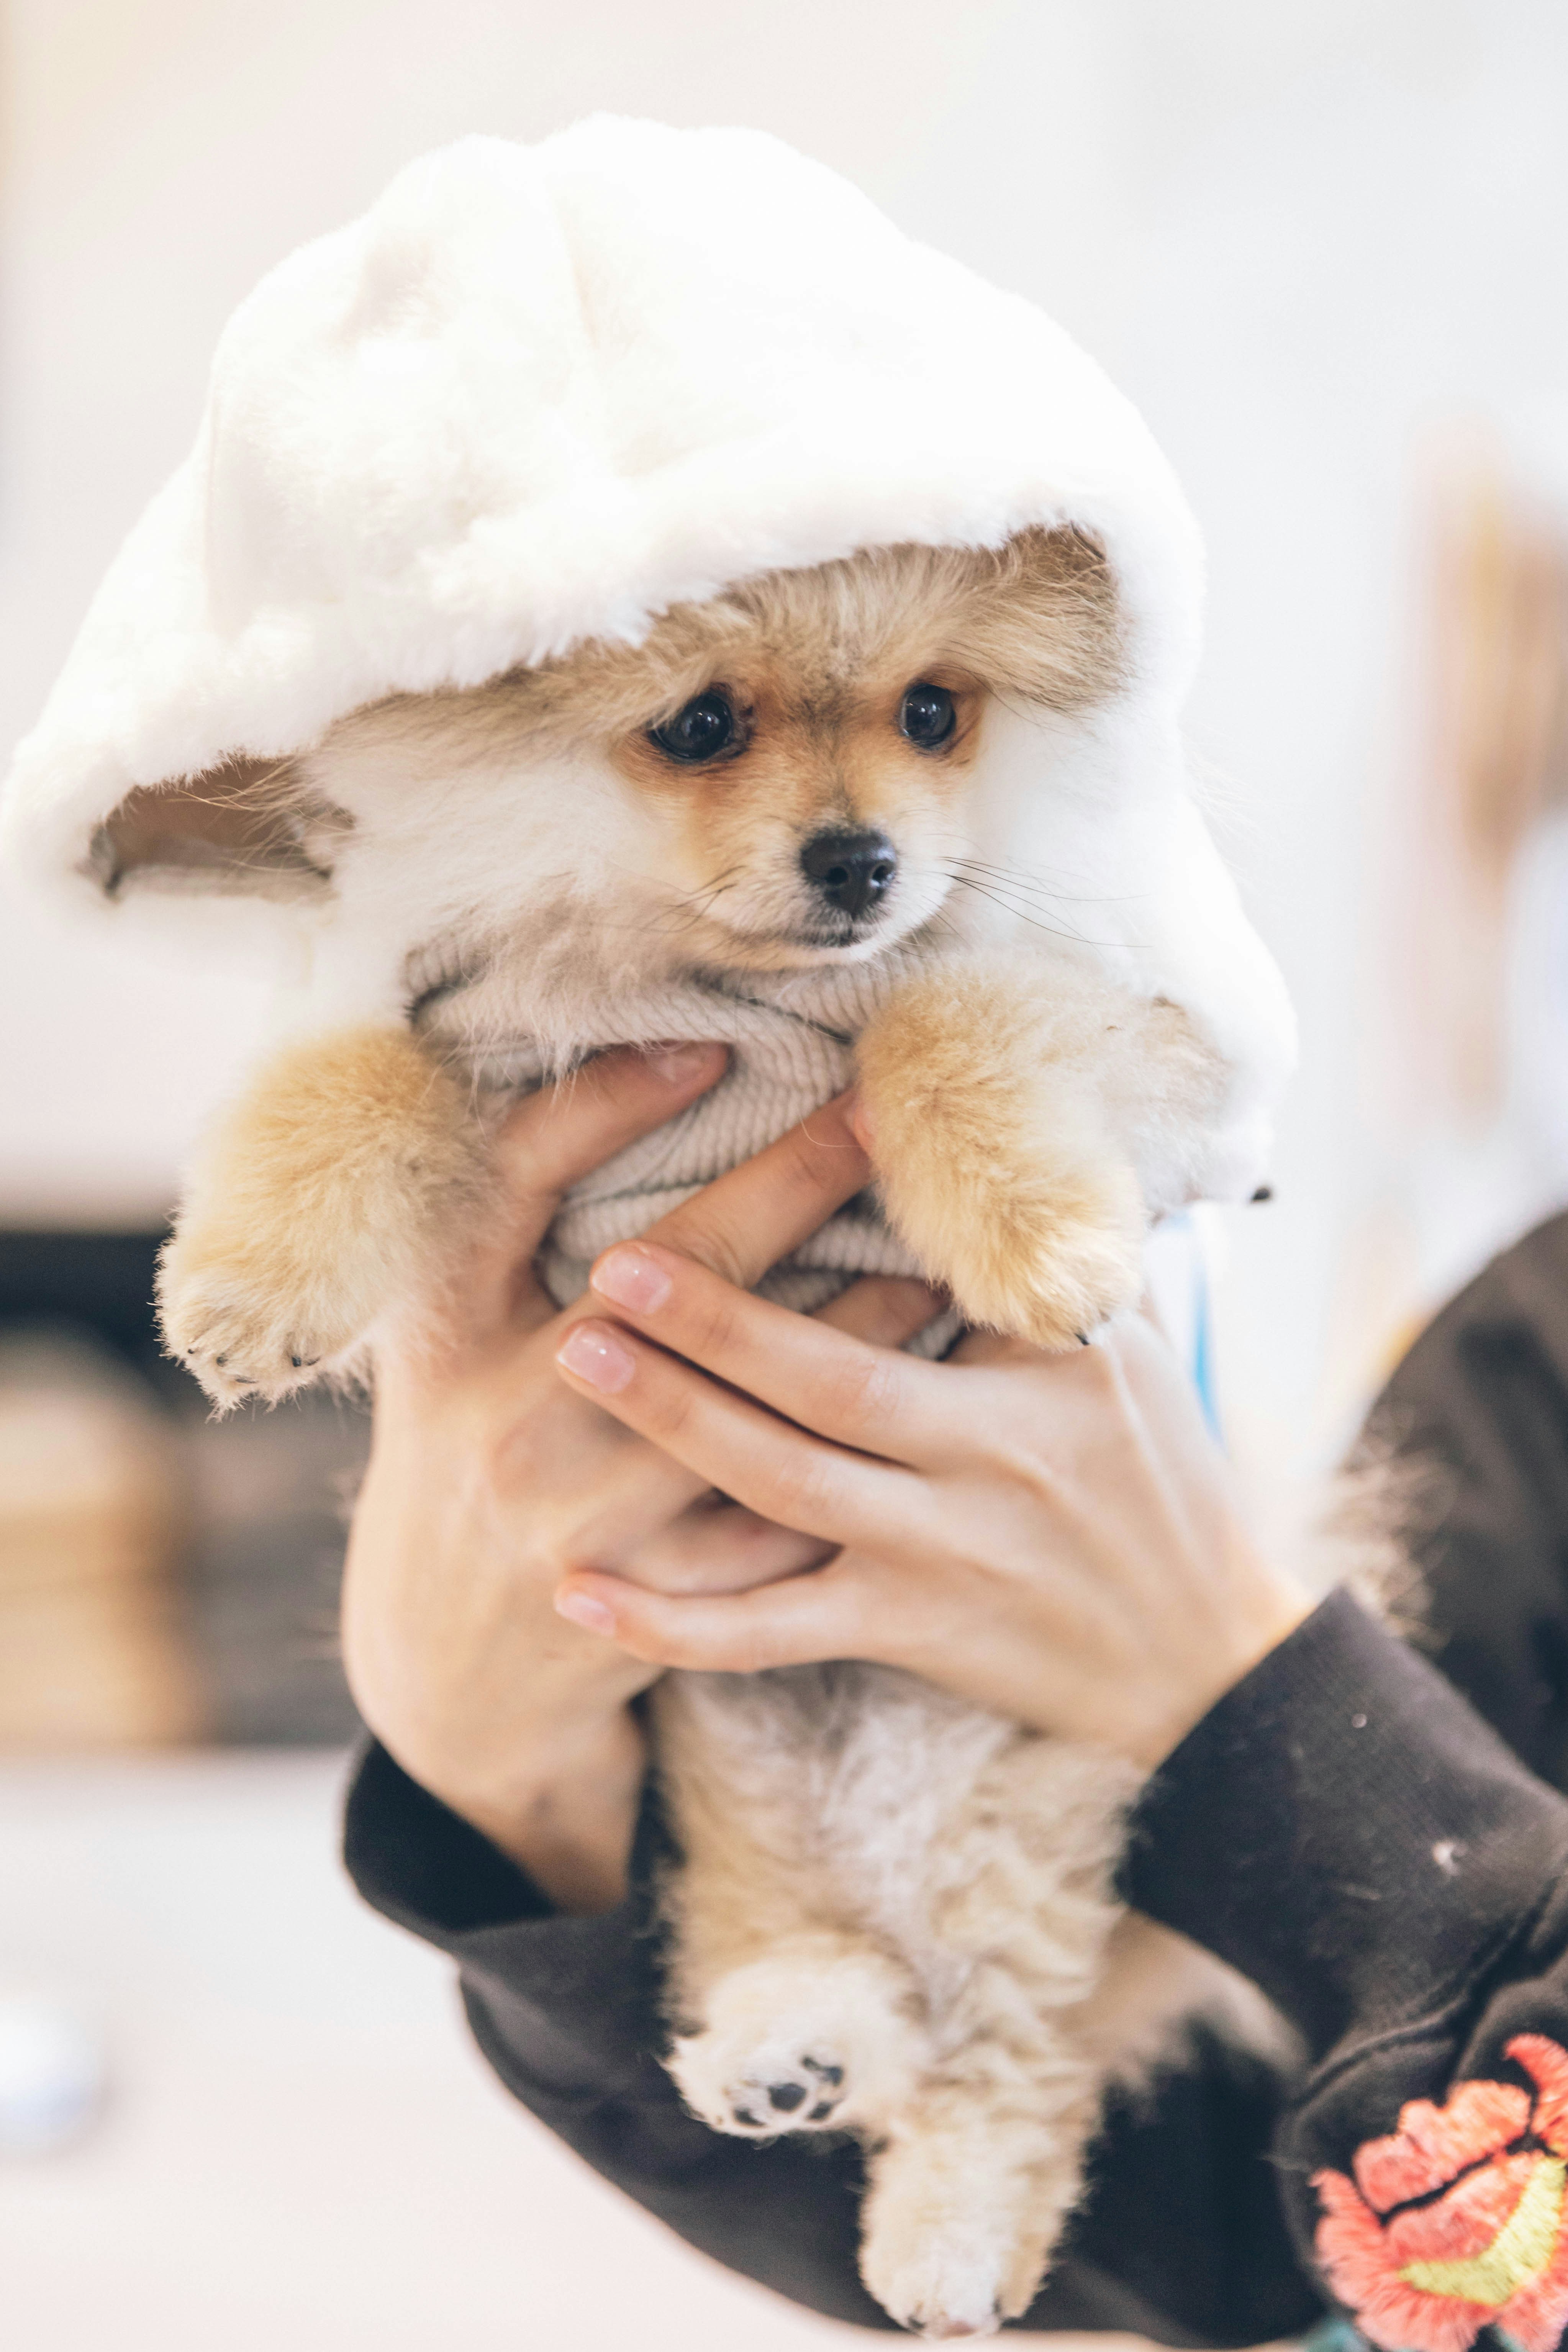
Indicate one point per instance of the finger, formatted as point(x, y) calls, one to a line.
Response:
point(882, 1308)
point(561, 1134)
point(870, 1398)
point(746, 1221)
point(1158, 1378)
point(1149, 1308)
point(1002, 1348)
point(717, 1545)
point(781, 1472)
point(796, 1623)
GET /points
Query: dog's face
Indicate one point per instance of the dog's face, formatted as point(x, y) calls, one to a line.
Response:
point(809, 812)
point(797, 757)
point(779, 777)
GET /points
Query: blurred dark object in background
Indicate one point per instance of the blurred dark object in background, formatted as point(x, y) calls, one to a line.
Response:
point(164, 1576)
point(92, 1522)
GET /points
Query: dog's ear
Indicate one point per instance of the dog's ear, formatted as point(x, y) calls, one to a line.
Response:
point(248, 827)
point(1044, 620)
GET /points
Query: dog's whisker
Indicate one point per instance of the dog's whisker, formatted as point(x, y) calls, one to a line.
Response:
point(958, 848)
point(1020, 880)
point(1036, 922)
point(1039, 890)
point(998, 880)
point(1020, 914)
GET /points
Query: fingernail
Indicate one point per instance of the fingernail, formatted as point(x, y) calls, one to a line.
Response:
point(860, 1126)
point(581, 1609)
point(631, 1278)
point(679, 1065)
point(589, 1350)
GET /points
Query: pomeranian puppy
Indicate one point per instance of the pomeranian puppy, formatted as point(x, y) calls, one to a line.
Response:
point(773, 787)
point(770, 823)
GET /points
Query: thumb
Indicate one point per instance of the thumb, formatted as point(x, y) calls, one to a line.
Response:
point(560, 1134)
point(797, 1621)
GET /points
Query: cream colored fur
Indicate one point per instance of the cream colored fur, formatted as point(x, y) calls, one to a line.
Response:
point(895, 1912)
point(894, 1915)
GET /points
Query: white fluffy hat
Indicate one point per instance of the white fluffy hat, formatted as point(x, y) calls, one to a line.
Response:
point(539, 394)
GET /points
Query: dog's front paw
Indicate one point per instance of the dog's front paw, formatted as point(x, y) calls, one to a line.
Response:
point(797, 2045)
point(998, 1162)
point(1047, 1265)
point(244, 1330)
point(324, 1196)
point(1021, 1206)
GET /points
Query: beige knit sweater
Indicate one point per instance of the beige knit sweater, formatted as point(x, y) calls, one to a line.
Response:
point(791, 1038)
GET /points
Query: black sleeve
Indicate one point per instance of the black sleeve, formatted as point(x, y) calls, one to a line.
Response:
point(1181, 2237)
point(1345, 1830)
point(1479, 1407)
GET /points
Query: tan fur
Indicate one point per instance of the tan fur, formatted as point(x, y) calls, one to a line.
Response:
point(316, 1204)
point(817, 662)
point(1037, 618)
point(994, 1159)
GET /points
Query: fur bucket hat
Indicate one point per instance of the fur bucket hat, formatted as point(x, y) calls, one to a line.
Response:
point(536, 396)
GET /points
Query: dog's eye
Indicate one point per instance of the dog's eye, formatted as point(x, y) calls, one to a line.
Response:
point(928, 715)
point(701, 730)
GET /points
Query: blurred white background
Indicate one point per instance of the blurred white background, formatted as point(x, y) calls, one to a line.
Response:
point(302, 2146)
point(1311, 238)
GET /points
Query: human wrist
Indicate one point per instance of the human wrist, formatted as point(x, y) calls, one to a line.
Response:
point(560, 1800)
point(1263, 1615)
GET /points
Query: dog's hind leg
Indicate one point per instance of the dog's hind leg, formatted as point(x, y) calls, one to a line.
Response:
point(971, 2186)
point(818, 2031)
point(789, 2015)
point(970, 2190)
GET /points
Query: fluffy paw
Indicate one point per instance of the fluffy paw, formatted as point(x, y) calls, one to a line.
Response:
point(243, 1336)
point(807, 2096)
point(941, 2262)
point(998, 1163)
point(797, 2047)
point(1049, 1267)
point(937, 2285)
point(318, 1200)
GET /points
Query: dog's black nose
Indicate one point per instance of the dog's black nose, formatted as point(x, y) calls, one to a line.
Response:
point(852, 870)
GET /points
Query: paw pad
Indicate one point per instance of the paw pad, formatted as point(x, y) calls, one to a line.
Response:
point(809, 2091)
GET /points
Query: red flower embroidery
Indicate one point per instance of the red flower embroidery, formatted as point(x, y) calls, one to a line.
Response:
point(1491, 2249)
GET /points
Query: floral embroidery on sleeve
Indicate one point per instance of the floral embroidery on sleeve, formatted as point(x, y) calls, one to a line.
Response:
point(1454, 2221)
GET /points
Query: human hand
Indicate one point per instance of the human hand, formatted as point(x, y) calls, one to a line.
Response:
point(488, 1481)
point(1049, 1536)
